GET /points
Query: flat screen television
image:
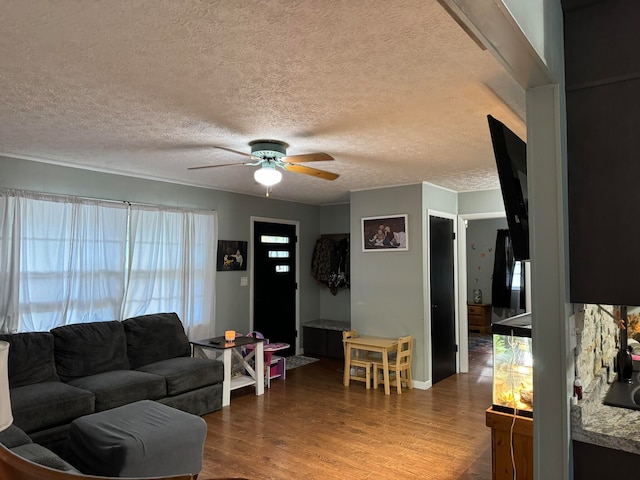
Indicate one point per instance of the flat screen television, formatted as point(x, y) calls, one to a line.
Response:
point(511, 159)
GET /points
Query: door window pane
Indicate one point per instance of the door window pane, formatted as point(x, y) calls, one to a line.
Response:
point(282, 268)
point(278, 254)
point(273, 239)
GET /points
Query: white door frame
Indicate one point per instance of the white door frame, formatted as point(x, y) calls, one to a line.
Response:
point(427, 296)
point(462, 279)
point(252, 221)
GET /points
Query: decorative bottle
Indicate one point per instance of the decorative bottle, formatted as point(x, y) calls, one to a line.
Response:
point(477, 295)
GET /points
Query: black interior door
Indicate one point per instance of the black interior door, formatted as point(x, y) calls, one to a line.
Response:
point(443, 338)
point(274, 295)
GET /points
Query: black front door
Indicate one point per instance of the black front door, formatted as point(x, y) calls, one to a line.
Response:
point(274, 295)
point(443, 336)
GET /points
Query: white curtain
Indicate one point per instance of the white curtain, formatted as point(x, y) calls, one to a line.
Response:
point(9, 262)
point(172, 266)
point(70, 260)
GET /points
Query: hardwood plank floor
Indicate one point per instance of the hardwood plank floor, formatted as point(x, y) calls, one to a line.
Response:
point(310, 426)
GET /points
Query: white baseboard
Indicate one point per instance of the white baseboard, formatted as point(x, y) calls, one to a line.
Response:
point(421, 385)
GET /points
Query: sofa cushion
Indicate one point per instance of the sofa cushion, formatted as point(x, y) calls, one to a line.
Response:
point(13, 437)
point(42, 456)
point(184, 374)
point(49, 404)
point(31, 358)
point(119, 387)
point(197, 402)
point(84, 349)
point(155, 337)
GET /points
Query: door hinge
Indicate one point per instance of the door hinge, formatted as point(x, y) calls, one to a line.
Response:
point(296, 333)
point(295, 239)
point(453, 236)
point(296, 286)
point(456, 348)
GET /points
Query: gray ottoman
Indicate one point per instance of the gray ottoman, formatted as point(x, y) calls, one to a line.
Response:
point(141, 439)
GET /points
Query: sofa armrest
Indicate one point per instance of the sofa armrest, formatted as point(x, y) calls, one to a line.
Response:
point(14, 437)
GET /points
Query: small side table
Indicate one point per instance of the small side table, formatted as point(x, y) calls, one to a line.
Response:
point(271, 361)
point(225, 350)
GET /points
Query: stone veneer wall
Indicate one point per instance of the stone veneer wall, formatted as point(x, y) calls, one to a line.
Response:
point(596, 333)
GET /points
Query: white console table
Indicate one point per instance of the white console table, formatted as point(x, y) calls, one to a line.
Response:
point(227, 351)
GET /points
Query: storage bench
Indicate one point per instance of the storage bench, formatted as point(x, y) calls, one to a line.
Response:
point(324, 337)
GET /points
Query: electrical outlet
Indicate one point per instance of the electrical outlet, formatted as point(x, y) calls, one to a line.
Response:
point(244, 281)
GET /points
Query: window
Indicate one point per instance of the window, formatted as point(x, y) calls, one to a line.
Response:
point(518, 272)
point(70, 260)
point(278, 254)
point(282, 268)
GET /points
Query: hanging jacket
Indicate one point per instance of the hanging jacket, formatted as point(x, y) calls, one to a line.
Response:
point(322, 259)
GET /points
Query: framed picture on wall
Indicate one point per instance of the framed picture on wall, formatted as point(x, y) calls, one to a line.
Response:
point(232, 255)
point(386, 233)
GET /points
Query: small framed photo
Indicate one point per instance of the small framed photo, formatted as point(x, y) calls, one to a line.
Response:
point(232, 255)
point(386, 233)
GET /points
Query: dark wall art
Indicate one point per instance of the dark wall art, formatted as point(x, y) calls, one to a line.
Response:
point(385, 233)
point(232, 255)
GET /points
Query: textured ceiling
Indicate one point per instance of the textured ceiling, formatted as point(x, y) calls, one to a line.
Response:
point(394, 90)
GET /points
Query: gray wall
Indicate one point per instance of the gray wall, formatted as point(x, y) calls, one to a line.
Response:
point(483, 201)
point(335, 219)
point(234, 211)
point(440, 199)
point(387, 292)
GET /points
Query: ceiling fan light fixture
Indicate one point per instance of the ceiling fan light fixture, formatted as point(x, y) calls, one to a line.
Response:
point(267, 175)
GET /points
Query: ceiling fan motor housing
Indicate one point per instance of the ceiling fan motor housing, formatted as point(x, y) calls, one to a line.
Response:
point(268, 149)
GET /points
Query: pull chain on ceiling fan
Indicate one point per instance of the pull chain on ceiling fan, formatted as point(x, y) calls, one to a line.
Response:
point(271, 155)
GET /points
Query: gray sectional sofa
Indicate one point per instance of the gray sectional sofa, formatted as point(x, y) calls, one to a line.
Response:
point(75, 370)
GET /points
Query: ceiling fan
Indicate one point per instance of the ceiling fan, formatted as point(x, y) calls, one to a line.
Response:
point(271, 155)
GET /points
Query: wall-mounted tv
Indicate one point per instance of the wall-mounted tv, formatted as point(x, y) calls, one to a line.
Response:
point(511, 159)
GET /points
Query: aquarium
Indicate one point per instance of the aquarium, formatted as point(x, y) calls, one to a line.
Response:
point(513, 365)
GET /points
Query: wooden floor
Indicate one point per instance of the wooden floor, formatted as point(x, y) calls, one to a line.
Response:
point(310, 426)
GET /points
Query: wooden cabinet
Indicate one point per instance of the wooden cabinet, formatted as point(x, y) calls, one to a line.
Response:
point(479, 315)
point(594, 462)
point(503, 440)
point(603, 114)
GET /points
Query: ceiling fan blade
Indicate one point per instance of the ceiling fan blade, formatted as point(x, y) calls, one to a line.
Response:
point(234, 151)
point(314, 172)
point(216, 166)
point(308, 157)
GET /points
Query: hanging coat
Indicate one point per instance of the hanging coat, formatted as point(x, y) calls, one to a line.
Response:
point(321, 260)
